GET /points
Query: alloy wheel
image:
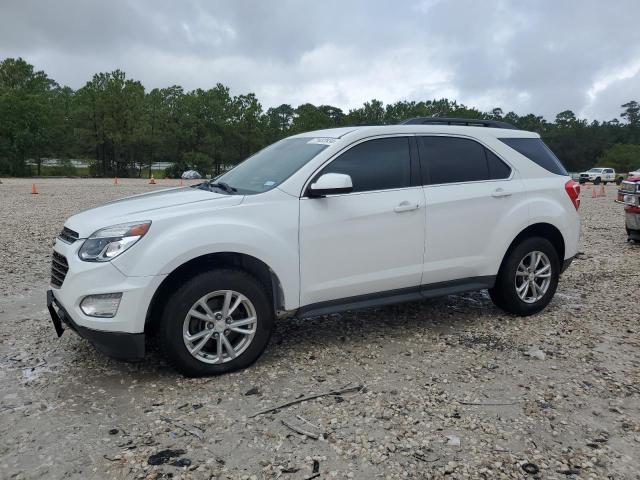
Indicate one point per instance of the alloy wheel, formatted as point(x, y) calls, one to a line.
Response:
point(533, 277)
point(219, 326)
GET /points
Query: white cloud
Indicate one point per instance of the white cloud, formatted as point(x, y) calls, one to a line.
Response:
point(541, 57)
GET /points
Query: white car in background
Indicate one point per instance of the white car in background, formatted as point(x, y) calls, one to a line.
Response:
point(600, 174)
point(317, 223)
point(635, 173)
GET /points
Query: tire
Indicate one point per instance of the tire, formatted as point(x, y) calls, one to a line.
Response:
point(178, 321)
point(596, 181)
point(582, 181)
point(504, 294)
point(605, 182)
point(618, 180)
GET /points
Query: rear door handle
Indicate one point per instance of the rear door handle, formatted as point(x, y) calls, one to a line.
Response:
point(406, 207)
point(500, 192)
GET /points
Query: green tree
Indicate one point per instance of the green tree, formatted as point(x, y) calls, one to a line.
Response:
point(28, 119)
point(624, 158)
point(631, 113)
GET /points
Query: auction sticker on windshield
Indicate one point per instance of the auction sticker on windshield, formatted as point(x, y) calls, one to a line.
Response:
point(323, 141)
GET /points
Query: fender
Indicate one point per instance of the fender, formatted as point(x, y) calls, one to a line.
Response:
point(243, 229)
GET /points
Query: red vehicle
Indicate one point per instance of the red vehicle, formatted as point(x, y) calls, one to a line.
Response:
point(629, 195)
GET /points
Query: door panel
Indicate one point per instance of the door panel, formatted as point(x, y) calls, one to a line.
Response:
point(467, 226)
point(360, 243)
point(472, 198)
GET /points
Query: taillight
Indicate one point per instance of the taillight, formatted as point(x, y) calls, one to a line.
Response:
point(573, 190)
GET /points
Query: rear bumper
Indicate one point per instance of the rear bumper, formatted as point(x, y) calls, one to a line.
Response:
point(121, 345)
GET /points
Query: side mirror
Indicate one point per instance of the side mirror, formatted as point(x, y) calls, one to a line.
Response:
point(330, 184)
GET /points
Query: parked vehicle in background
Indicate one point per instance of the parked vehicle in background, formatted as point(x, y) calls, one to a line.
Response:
point(600, 174)
point(635, 173)
point(318, 223)
point(629, 196)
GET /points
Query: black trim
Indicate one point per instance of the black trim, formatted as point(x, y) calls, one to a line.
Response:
point(633, 235)
point(120, 345)
point(323, 192)
point(468, 122)
point(416, 174)
point(566, 263)
point(401, 295)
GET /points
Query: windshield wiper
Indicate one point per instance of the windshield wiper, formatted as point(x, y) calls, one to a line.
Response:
point(223, 186)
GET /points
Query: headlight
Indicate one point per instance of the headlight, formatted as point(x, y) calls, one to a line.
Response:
point(107, 243)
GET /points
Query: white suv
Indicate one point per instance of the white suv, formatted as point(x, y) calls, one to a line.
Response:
point(317, 223)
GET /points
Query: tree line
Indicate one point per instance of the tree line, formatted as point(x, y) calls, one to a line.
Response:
point(122, 128)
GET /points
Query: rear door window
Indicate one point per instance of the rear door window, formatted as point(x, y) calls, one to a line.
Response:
point(498, 170)
point(456, 160)
point(536, 151)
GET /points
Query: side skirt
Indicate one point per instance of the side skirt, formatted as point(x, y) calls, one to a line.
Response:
point(402, 295)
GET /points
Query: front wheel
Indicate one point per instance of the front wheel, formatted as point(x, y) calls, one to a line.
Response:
point(597, 181)
point(217, 322)
point(528, 277)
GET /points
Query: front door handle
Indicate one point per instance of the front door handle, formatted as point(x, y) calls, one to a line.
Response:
point(406, 207)
point(500, 192)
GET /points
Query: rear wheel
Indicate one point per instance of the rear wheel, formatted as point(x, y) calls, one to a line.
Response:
point(528, 277)
point(217, 322)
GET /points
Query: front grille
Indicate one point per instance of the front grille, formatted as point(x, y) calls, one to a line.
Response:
point(629, 187)
point(59, 269)
point(68, 235)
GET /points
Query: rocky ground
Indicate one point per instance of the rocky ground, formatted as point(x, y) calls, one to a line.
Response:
point(444, 388)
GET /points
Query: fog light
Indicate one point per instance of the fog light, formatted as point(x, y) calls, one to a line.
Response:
point(104, 305)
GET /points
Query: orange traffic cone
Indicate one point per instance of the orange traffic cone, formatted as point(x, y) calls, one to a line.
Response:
point(152, 181)
point(602, 192)
point(115, 180)
point(34, 190)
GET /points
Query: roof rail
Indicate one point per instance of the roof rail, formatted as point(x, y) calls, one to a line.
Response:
point(470, 122)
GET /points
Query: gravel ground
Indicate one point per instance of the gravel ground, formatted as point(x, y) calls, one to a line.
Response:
point(449, 387)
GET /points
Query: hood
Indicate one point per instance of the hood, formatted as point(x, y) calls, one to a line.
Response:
point(148, 206)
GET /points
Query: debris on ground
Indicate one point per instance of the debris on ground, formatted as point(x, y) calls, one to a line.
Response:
point(449, 367)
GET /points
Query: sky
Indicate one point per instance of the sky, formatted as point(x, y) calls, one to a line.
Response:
point(528, 56)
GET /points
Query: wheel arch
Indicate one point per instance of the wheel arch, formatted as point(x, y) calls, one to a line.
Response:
point(241, 261)
point(544, 230)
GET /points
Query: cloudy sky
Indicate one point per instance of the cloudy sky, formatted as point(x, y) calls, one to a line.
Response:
point(528, 56)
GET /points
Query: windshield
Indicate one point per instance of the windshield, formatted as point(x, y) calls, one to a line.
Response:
point(272, 165)
point(596, 170)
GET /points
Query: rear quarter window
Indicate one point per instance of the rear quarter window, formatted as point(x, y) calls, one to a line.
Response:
point(536, 151)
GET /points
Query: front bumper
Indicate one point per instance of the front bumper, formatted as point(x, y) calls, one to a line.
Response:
point(95, 278)
point(632, 222)
point(121, 345)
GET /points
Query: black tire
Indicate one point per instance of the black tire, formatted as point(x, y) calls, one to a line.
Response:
point(604, 182)
point(504, 293)
point(170, 334)
point(597, 181)
point(582, 181)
